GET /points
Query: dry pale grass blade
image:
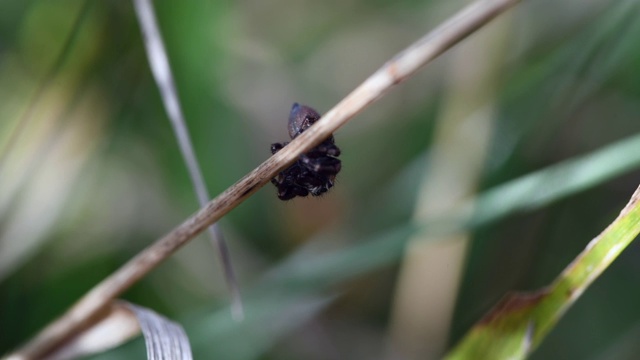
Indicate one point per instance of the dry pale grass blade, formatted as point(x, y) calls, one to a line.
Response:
point(163, 338)
point(161, 70)
point(396, 70)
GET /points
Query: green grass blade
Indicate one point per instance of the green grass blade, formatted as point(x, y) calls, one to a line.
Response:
point(519, 322)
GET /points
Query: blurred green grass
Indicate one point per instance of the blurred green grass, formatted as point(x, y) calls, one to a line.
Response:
point(95, 175)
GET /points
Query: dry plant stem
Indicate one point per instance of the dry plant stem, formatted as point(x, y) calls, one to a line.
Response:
point(159, 62)
point(393, 72)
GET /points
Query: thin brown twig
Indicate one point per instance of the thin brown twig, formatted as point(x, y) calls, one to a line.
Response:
point(393, 72)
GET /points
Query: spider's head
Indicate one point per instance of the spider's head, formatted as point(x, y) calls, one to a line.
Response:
point(301, 118)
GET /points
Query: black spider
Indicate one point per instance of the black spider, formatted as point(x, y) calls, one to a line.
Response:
point(315, 171)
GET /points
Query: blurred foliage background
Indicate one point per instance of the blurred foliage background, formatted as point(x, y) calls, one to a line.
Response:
point(90, 172)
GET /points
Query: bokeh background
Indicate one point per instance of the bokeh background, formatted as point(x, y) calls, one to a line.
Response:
point(90, 172)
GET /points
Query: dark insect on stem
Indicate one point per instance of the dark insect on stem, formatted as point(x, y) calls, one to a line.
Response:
point(314, 172)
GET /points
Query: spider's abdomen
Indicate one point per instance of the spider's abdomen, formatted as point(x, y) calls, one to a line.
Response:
point(301, 118)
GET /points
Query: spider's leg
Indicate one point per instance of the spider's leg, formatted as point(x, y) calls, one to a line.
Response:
point(289, 192)
point(325, 148)
point(326, 165)
point(307, 178)
point(287, 182)
point(286, 194)
point(314, 183)
point(300, 191)
point(275, 147)
point(318, 191)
